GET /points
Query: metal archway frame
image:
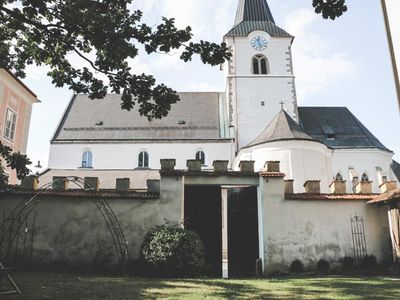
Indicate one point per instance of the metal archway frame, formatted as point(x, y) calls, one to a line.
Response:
point(18, 215)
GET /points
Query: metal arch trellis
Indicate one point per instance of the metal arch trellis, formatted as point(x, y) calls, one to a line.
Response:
point(25, 208)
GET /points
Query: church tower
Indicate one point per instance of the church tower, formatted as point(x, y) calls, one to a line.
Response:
point(259, 77)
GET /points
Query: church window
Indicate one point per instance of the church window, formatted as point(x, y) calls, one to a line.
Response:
point(87, 159)
point(364, 177)
point(339, 177)
point(143, 161)
point(200, 155)
point(260, 64)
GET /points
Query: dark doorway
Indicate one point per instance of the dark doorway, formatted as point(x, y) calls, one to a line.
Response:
point(203, 215)
point(243, 248)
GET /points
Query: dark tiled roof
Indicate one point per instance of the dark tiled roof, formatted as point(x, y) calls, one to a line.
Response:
point(194, 117)
point(396, 169)
point(253, 10)
point(254, 15)
point(337, 128)
point(246, 27)
point(282, 127)
point(305, 196)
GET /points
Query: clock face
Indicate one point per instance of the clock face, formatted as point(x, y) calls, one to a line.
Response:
point(259, 43)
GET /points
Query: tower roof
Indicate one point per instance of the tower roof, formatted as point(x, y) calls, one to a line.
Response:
point(254, 15)
point(253, 10)
point(282, 127)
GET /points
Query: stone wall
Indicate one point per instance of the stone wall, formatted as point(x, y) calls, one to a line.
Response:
point(70, 230)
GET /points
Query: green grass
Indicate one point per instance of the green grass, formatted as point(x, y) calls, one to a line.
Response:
point(47, 285)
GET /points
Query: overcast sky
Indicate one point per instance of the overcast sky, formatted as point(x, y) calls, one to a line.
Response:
point(344, 62)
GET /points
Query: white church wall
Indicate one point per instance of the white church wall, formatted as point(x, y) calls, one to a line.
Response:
point(362, 161)
point(255, 98)
point(299, 160)
point(310, 230)
point(125, 156)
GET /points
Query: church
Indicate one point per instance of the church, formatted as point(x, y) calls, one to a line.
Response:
point(256, 118)
point(274, 181)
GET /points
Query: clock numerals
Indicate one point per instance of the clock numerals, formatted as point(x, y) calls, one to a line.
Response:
point(259, 43)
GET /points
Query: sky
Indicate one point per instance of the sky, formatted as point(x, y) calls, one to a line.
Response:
point(345, 62)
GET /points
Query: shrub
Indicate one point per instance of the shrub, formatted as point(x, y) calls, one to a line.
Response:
point(323, 265)
point(369, 262)
point(296, 266)
point(348, 263)
point(173, 251)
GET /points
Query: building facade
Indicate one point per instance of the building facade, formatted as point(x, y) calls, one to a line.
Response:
point(255, 118)
point(16, 101)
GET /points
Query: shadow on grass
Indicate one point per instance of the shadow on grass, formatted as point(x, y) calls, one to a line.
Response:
point(47, 285)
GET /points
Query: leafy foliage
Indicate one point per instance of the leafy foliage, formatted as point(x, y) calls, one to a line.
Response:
point(330, 8)
point(296, 266)
point(174, 251)
point(106, 35)
point(323, 265)
point(348, 263)
point(14, 160)
point(369, 262)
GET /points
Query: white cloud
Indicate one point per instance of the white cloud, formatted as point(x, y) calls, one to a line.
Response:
point(316, 66)
point(393, 7)
point(197, 86)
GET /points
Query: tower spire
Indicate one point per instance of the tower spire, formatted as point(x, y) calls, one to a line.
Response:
point(253, 10)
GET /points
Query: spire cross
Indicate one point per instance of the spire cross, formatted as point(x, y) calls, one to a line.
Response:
point(282, 104)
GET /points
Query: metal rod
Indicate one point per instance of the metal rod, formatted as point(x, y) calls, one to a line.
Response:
point(391, 49)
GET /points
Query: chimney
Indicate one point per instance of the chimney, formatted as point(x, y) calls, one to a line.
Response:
point(92, 183)
point(123, 185)
point(168, 165)
point(246, 166)
point(193, 165)
point(312, 186)
point(388, 186)
point(272, 166)
point(338, 187)
point(364, 187)
point(60, 183)
point(30, 183)
point(153, 185)
point(289, 186)
point(220, 166)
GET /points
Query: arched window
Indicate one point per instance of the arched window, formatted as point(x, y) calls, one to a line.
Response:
point(200, 155)
point(339, 177)
point(260, 64)
point(143, 160)
point(87, 159)
point(364, 177)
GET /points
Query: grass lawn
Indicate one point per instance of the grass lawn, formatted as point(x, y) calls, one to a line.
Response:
point(46, 285)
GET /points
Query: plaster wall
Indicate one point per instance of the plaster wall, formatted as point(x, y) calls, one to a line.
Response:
point(15, 97)
point(362, 161)
point(299, 160)
point(246, 91)
point(125, 156)
point(312, 230)
point(70, 230)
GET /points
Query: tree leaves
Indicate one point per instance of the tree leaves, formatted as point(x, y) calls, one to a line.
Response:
point(330, 8)
point(14, 160)
point(106, 35)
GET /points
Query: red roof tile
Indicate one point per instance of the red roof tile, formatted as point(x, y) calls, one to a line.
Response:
point(272, 174)
point(391, 196)
point(305, 196)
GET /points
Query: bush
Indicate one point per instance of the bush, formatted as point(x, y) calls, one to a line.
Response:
point(323, 265)
point(348, 263)
point(173, 251)
point(296, 266)
point(369, 262)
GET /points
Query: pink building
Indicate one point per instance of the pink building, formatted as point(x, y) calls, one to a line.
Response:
point(16, 101)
